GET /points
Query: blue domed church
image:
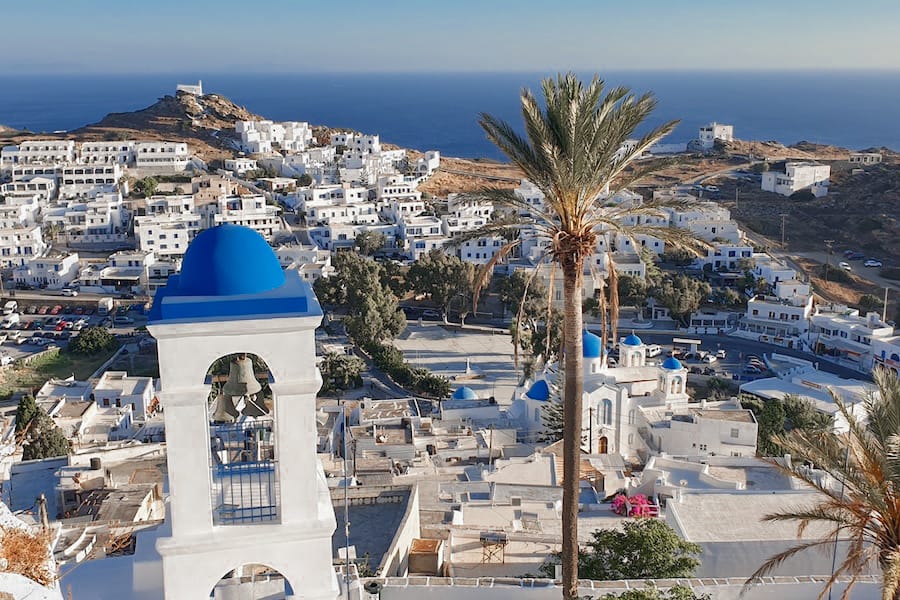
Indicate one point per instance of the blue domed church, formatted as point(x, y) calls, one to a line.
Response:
point(616, 398)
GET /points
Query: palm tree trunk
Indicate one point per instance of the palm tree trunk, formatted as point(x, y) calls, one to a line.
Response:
point(573, 283)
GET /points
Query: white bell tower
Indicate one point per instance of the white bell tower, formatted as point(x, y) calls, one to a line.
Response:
point(249, 491)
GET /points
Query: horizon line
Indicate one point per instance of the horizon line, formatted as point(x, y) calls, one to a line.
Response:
point(548, 71)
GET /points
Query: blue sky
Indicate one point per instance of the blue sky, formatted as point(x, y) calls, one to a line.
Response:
point(177, 36)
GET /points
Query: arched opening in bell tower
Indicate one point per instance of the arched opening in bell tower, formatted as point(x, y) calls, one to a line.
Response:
point(252, 580)
point(242, 454)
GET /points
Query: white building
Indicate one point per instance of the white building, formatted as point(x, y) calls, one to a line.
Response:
point(118, 389)
point(252, 212)
point(161, 157)
point(886, 352)
point(240, 165)
point(782, 318)
point(420, 235)
point(54, 272)
point(38, 151)
point(42, 187)
point(107, 153)
point(312, 262)
point(715, 131)
point(771, 269)
point(865, 158)
point(189, 88)
point(839, 331)
point(798, 176)
point(89, 180)
point(727, 256)
point(168, 235)
point(258, 136)
point(19, 244)
point(220, 482)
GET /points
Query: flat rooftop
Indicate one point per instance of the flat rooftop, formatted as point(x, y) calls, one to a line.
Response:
point(372, 526)
point(737, 516)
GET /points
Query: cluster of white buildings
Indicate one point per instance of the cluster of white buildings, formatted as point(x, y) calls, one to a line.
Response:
point(258, 137)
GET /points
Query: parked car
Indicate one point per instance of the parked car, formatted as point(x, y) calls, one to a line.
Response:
point(79, 310)
point(43, 310)
point(29, 325)
point(751, 369)
point(845, 266)
point(710, 358)
point(720, 353)
point(68, 309)
point(31, 309)
point(69, 292)
point(431, 315)
point(695, 370)
point(709, 371)
point(120, 320)
point(856, 256)
point(872, 262)
point(654, 350)
point(56, 309)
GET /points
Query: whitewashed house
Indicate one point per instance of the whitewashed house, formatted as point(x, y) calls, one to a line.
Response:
point(19, 244)
point(715, 131)
point(240, 165)
point(798, 176)
point(53, 272)
point(118, 389)
point(161, 157)
point(167, 234)
point(250, 211)
point(38, 151)
point(121, 152)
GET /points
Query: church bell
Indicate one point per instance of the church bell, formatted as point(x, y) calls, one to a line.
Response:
point(242, 383)
point(225, 410)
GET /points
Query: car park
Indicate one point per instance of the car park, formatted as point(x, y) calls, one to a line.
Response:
point(873, 262)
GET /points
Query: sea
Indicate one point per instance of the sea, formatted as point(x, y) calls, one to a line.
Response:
point(854, 109)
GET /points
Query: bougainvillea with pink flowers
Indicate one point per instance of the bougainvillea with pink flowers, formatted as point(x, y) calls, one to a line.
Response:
point(639, 505)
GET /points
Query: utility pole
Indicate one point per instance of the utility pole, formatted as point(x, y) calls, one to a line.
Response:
point(884, 310)
point(737, 193)
point(783, 217)
point(828, 244)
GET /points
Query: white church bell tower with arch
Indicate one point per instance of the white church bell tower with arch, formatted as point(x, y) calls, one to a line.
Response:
point(245, 485)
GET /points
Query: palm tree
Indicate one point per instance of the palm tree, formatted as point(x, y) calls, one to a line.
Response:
point(574, 151)
point(862, 503)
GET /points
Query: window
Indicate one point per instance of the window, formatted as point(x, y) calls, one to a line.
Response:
point(631, 418)
point(735, 432)
point(702, 447)
point(606, 411)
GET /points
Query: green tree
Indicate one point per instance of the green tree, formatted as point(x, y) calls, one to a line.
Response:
point(681, 257)
point(147, 186)
point(443, 278)
point(25, 412)
point(651, 592)
point(774, 417)
point(369, 242)
point(571, 152)
point(862, 505)
point(869, 302)
point(45, 439)
point(357, 286)
point(341, 371)
point(643, 549)
point(92, 340)
point(632, 290)
point(304, 180)
point(682, 295)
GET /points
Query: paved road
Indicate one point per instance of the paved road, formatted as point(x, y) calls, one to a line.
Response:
point(867, 273)
point(480, 175)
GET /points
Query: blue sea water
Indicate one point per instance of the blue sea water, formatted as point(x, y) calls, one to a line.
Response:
point(440, 111)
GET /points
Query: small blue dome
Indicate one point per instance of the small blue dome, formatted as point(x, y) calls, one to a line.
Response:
point(229, 260)
point(592, 345)
point(464, 393)
point(632, 340)
point(539, 391)
point(672, 364)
